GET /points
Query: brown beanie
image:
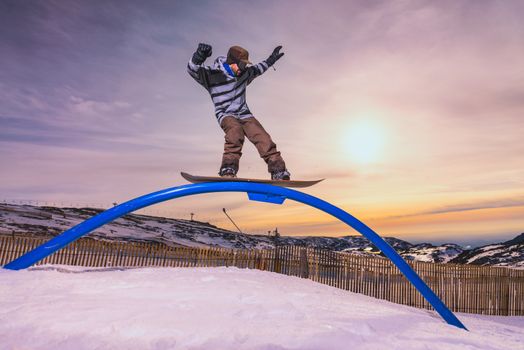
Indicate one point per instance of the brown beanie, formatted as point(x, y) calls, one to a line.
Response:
point(237, 54)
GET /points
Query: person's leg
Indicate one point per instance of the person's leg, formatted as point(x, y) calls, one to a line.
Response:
point(234, 140)
point(267, 149)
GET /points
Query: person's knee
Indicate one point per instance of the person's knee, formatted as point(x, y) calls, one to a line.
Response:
point(235, 136)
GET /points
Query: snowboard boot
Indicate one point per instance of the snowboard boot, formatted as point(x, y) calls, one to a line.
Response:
point(227, 172)
point(281, 175)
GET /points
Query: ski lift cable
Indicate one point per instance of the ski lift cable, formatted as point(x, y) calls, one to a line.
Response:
point(239, 230)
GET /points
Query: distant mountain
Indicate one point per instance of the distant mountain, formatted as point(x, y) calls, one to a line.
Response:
point(517, 240)
point(508, 254)
point(33, 220)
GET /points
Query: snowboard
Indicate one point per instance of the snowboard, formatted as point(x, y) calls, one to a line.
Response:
point(283, 183)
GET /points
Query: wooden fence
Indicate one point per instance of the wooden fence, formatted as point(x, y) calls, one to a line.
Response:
point(463, 288)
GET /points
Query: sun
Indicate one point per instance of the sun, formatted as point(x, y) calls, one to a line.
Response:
point(364, 140)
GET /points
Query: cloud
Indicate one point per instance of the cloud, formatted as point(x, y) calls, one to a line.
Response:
point(494, 204)
point(43, 133)
point(91, 107)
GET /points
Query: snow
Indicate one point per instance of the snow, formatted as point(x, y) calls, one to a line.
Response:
point(30, 219)
point(488, 251)
point(59, 307)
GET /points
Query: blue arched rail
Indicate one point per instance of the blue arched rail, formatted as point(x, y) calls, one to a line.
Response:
point(255, 191)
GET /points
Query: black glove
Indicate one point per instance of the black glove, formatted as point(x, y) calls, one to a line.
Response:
point(275, 56)
point(203, 52)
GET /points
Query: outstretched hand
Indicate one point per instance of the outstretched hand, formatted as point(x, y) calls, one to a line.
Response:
point(275, 56)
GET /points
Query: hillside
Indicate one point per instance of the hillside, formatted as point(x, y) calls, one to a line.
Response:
point(25, 219)
point(509, 253)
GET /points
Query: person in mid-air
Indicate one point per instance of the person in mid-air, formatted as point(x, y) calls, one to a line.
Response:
point(226, 82)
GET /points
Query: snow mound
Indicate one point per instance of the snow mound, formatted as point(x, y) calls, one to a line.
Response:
point(59, 307)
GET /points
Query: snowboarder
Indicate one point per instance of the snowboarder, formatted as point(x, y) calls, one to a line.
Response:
point(226, 82)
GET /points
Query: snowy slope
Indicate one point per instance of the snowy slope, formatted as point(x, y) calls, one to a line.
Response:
point(509, 253)
point(220, 308)
point(430, 253)
point(51, 220)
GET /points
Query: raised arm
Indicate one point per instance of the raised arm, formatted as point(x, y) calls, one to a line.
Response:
point(260, 68)
point(195, 67)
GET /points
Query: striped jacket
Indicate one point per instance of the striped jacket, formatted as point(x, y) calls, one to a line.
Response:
point(228, 93)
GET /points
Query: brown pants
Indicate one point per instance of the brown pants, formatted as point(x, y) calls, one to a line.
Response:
point(235, 130)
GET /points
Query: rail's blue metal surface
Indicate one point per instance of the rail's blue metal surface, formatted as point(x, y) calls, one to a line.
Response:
point(256, 191)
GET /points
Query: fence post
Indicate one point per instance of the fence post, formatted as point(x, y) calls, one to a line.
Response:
point(278, 268)
point(304, 264)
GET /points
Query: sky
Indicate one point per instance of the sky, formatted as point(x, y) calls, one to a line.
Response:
point(413, 111)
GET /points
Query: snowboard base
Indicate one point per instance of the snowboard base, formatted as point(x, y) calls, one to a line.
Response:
point(282, 183)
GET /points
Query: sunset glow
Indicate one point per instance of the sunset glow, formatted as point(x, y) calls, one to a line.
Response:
point(365, 141)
